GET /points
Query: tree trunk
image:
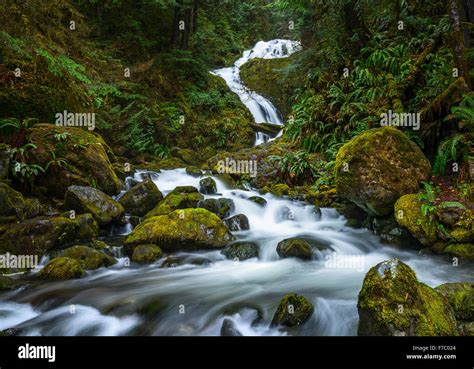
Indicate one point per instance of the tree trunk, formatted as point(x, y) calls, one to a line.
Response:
point(195, 15)
point(187, 29)
point(175, 33)
point(458, 40)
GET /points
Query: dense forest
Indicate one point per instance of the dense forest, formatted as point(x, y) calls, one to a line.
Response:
point(189, 141)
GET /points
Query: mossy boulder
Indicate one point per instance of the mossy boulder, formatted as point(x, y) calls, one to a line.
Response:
point(408, 214)
point(295, 247)
point(12, 202)
point(33, 208)
point(207, 186)
point(463, 250)
point(142, 198)
point(86, 227)
point(88, 159)
point(180, 198)
point(7, 283)
point(187, 229)
point(103, 208)
point(241, 251)
point(36, 236)
point(393, 303)
point(145, 254)
point(194, 171)
point(5, 152)
point(379, 166)
point(62, 268)
point(258, 200)
point(221, 207)
point(88, 257)
point(239, 222)
point(293, 310)
point(461, 298)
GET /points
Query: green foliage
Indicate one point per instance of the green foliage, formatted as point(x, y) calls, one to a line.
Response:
point(21, 168)
point(428, 198)
point(295, 168)
point(61, 66)
point(450, 149)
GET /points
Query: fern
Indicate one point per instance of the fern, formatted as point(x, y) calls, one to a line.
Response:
point(448, 150)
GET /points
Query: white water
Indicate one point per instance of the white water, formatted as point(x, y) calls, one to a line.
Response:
point(262, 110)
point(109, 301)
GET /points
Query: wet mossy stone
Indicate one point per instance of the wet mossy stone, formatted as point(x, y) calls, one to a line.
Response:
point(293, 310)
point(36, 236)
point(194, 172)
point(86, 227)
point(238, 222)
point(408, 214)
point(379, 166)
point(466, 329)
point(258, 200)
point(229, 329)
point(146, 254)
point(103, 208)
point(12, 202)
point(221, 207)
point(88, 257)
point(89, 159)
point(461, 298)
point(295, 247)
point(463, 250)
point(184, 197)
point(7, 283)
point(142, 198)
point(187, 229)
point(241, 251)
point(5, 154)
point(207, 186)
point(393, 303)
point(62, 268)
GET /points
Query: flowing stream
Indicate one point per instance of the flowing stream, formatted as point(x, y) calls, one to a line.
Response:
point(204, 288)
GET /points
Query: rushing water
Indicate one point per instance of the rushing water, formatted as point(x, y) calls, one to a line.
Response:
point(263, 111)
point(195, 298)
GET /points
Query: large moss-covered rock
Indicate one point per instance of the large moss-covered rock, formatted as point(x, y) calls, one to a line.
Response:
point(221, 207)
point(62, 268)
point(461, 298)
point(88, 257)
point(180, 198)
point(12, 202)
point(379, 166)
point(146, 254)
point(241, 251)
point(408, 214)
point(88, 159)
point(393, 303)
point(36, 236)
point(83, 200)
point(295, 247)
point(142, 198)
point(5, 152)
point(86, 227)
point(187, 229)
point(463, 250)
point(293, 310)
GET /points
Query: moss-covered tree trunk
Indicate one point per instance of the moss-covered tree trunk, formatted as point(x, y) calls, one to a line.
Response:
point(458, 40)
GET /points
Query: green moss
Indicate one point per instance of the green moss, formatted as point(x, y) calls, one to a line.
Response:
point(89, 258)
point(241, 251)
point(293, 310)
point(182, 229)
point(379, 166)
point(463, 250)
point(62, 268)
point(408, 214)
point(461, 298)
point(180, 198)
point(294, 247)
point(12, 202)
point(86, 227)
point(146, 254)
point(142, 198)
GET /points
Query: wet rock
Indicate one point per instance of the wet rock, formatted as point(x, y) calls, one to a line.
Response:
point(295, 247)
point(229, 329)
point(146, 254)
point(379, 166)
point(258, 200)
point(221, 207)
point(62, 268)
point(5, 152)
point(461, 299)
point(103, 208)
point(394, 234)
point(88, 257)
point(284, 213)
point(179, 260)
point(207, 186)
point(238, 222)
point(462, 250)
point(187, 229)
point(293, 310)
point(86, 227)
point(184, 197)
point(194, 172)
point(36, 236)
point(12, 202)
point(142, 198)
point(393, 303)
point(7, 283)
point(241, 251)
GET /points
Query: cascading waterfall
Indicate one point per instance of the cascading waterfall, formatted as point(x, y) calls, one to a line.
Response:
point(194, 298)
point(262, 110)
